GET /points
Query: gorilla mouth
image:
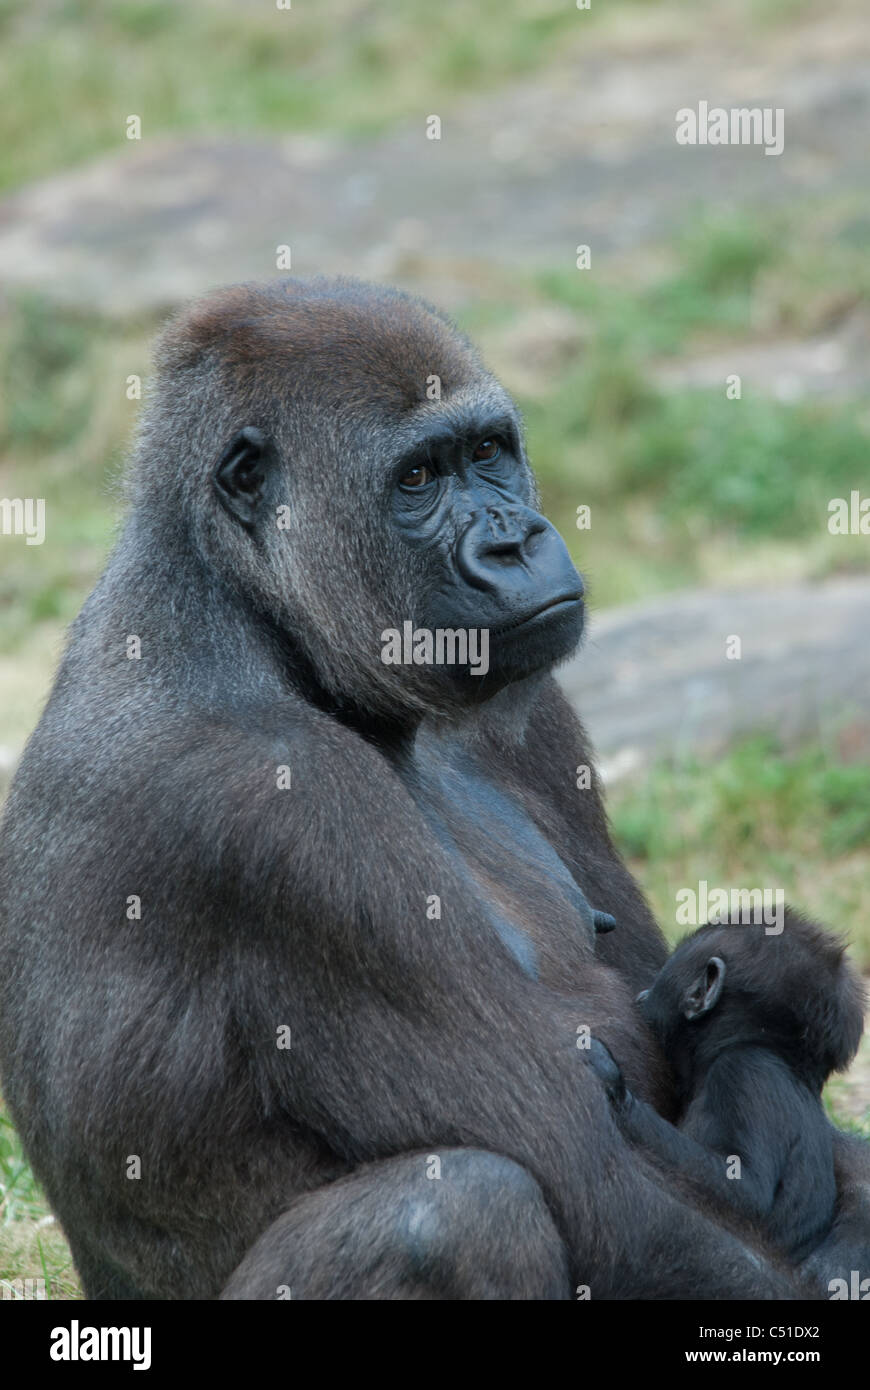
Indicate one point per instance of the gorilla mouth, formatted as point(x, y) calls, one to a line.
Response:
point(564, 603)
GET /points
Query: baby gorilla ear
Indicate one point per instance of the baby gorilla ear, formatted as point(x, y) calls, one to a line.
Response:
point(240, 477)
point(704, 991)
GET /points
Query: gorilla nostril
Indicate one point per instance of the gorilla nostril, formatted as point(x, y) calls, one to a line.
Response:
point(498, 521)
point(510, 530)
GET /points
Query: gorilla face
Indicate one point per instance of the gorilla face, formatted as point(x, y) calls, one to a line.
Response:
point(463, 500)
point(459, 525)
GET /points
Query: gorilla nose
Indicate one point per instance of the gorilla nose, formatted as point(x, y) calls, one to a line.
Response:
point(497, 539)
point(643, 995)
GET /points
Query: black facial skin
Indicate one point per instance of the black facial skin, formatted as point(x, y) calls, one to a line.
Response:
point(464, 500)
point(394, 862)
point(752, 1025)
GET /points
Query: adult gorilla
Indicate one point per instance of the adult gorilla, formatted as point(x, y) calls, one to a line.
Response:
point(237, 828)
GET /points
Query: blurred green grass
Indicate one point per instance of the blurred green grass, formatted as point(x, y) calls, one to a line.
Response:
point(348, 66)
point(763, 815)
point(32, 1245)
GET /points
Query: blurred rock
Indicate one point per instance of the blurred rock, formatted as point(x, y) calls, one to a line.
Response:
point(834, 366)
point(580, 154)
point(653, 680)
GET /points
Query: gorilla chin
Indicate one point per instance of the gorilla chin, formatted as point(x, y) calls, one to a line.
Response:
point(526, 647)
point(543, 639)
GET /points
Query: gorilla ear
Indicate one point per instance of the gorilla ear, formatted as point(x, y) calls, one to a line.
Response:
point(704, 991)
point(240, 477)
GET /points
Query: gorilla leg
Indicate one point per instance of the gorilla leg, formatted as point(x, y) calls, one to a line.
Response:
point(100, 1279)
point(390, 1231)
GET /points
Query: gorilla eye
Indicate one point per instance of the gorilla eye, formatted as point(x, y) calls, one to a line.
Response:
point(416, 477)
point(486, 451)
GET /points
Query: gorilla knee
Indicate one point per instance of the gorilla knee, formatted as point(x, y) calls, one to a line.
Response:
point(477, 1226)
point(453, 1224)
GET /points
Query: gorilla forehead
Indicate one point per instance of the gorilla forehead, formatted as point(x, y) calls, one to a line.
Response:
point(345, 344)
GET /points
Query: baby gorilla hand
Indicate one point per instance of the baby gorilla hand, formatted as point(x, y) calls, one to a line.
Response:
point(608, 1071)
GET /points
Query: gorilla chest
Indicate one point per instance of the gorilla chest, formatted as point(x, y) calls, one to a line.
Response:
point(508, 868)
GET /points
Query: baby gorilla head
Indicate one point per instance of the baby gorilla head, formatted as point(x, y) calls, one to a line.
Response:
point(732, 984)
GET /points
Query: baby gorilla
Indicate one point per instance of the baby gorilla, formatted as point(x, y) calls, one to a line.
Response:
point(753, 1025)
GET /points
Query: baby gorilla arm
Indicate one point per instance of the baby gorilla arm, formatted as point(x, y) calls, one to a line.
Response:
point(701, 1151)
